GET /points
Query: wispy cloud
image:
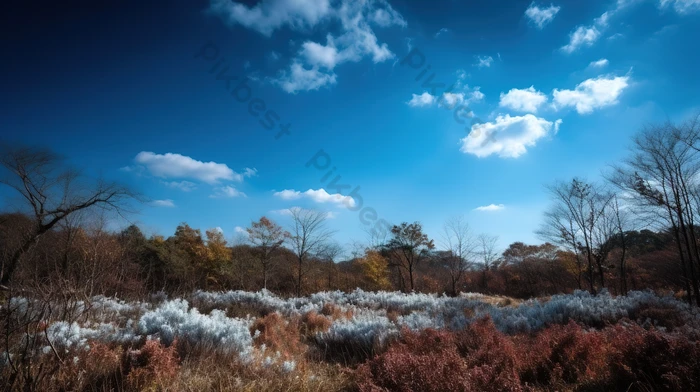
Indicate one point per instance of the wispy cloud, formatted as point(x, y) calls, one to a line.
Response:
point(163, 203)
point(441, 31)
point(226, 192)
point(490, 207)
point(184, 186)
point(598, 64)
point(541, 16)
point(483, 61)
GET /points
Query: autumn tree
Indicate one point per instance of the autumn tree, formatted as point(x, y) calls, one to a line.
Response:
point(267, 237)
point(375, 269)
point(50, 192)
point(408, 246)
point(308, 234)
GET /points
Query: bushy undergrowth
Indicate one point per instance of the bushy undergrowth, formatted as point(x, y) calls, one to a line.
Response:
point(397, 341)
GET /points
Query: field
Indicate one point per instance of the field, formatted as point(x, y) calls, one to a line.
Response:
point(368, 341)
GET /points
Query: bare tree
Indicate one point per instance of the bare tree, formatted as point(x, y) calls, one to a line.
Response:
point(267, 237)
point(51, 193)
point(584, 205)
point(662, 174)
point(328, 253)
point(486, 245)
point(458, 240)
point(309, 234)
point(558, 228)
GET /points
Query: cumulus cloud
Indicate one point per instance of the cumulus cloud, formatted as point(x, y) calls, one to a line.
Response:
point(171, 165)
point(163, 203)
point(484, 61)
point(226, 192)
point(490, 207)
point(448, 99)
point(317, 195)
point(313, 65)
point(592, 94)
point(527, 100)
point(598, 64)
point(541, 16)
point(507, 136)
point(425, 99)
point(239, 229)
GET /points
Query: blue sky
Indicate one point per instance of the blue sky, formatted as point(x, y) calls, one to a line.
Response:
point(537, 92)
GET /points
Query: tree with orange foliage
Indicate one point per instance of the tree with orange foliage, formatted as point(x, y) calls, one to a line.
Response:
point(267, 237)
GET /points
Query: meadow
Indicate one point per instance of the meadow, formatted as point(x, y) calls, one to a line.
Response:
point(355, 341)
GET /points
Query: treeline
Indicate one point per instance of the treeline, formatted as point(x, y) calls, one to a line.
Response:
point(635, 230)
point(92, 261)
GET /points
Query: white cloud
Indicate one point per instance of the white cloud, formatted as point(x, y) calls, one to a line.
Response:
point(179, 166)
point(681, 6)
point(226, 192)
point(598, 64)
point(269, 15)
point(592, 94)
point(490, 207)
point(239, 229)
point(448, 100)
point(425, 99)
point(582, 36)
point(527, 100)
point(286, 211)
point(353, 41)
point(248, 172)
point(317, 195)
point(319, 55)
point(163, 203)
point(219, 229)
point(184, 186)
point(541, 16)
point(441, 31)
point(508, 137)
point(301, 79)
point(476, 95)
point(484, 61)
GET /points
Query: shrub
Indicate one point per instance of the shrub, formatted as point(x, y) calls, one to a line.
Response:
point(150, 367)
point(478, 359)
point(652, 360)
point(562, 354)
